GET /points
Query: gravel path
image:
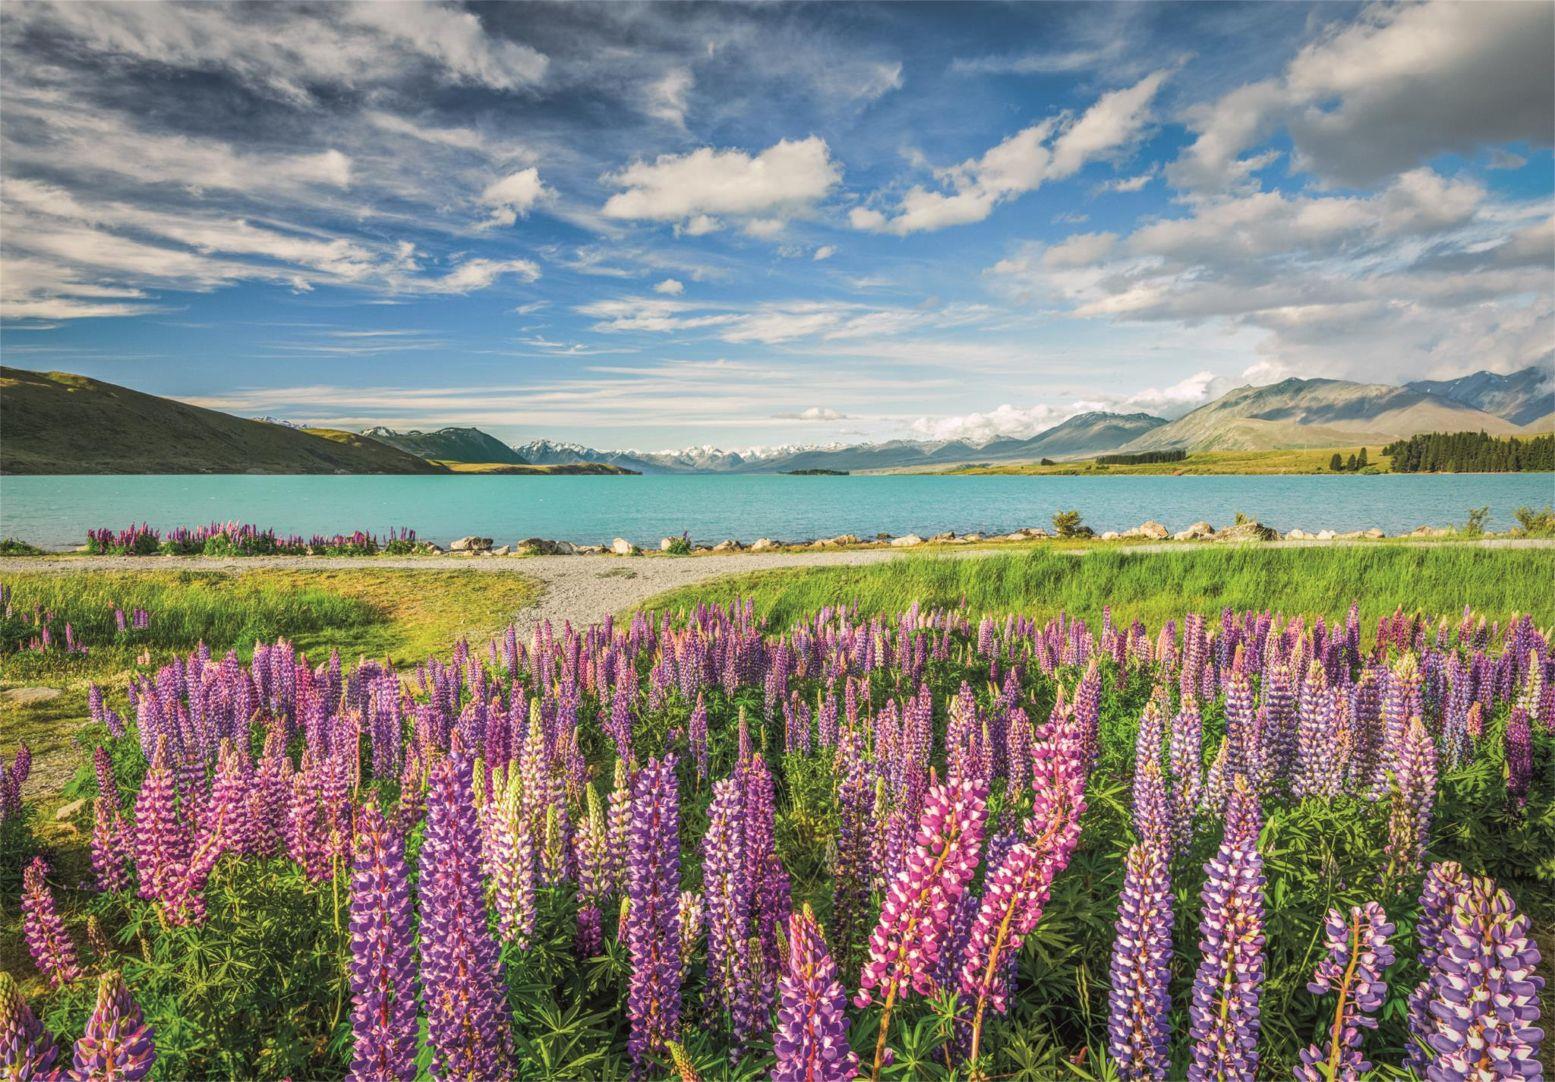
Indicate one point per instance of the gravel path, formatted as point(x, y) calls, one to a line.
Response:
point(586, 589)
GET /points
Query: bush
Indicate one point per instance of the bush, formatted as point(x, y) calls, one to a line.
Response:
point(10, 546)
point(1067, 524)
point(1540, 523)
point(679, 546)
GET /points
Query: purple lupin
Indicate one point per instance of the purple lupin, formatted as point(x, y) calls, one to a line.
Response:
point(461, 972)
point(118, 1045)
point(652, 922)
point(1140, 999)
point(383, 963)
point(811, 1038)
point(27, 1050)
point(1358, 952)
point(48, 942)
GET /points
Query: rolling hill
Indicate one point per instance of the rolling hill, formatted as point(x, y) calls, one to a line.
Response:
point(56, 423)
point(1297, 413)
point(449, 445)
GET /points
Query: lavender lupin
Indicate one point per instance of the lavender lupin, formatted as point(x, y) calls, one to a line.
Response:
point(1358, 952)
point(383, 964)
point(27, 1051)
point(652, 922)
point(811, 1038)
point(47, 940)
point(461, 973)
point(1223, 1012)
point(1140, 999)
point(118, 1045)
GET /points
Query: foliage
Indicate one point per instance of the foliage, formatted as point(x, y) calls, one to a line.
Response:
point(1536, 523)
point(1471, 452)
point(1067, 524)
point(11, 546)
point(1142, 458)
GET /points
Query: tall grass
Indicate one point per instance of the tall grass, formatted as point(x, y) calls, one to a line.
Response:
point(1153, 586)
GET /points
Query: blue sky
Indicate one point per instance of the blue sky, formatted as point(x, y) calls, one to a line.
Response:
point(665, 225)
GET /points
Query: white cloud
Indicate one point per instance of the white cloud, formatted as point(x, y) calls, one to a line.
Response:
point(458, 138)
point(670, 287)
point(476, 274)
point(666, 97)
point(825, 251)
point(1051, 150)
point(291, 51)
point(694, 189)
point(1128, 184)
point(814, 413)
point(1379, 95)
point(513, 196)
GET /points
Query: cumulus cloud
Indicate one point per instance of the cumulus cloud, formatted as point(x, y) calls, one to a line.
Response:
point(1049, 150)
point(814, 413)
point(825, 251)
point(512, 196)
point(696, 189)
point(1396, 87)
point(672, 287)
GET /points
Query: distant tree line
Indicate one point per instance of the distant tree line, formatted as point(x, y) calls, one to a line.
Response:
point(1471, 452)
point(1143, 458)
point(1356, 461)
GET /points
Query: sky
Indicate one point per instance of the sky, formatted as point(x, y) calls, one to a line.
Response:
point(668, 225)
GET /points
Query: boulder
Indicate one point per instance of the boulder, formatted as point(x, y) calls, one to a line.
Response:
point(622, 547)
point(564, 548)
point(535, 546)
point(1247, 531)
point(1111, 535)
point(1016, 536)
point(763, 544)
point(667, 543)
point(1374, 533)
point(1198, 531)
point(845, 539)
point(942, 538)
point(501, 550)
point(728, 545)
point(1151, 530)
point(972, 538)
point(69, 811)
point(471, 544)
point(1325, 535)
point(1035, 533)
point(1298, 534)
point(906, 542)
point(431, 549)
point(1430, 531)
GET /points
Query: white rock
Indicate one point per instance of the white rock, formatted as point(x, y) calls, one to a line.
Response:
point(501, 550)
point(728, 545)
point(1111, 535)
point(1374, 533)
point(1325, 535)
point(763, 544)
point(622, 547)
point(906, 542)
point(471, 544)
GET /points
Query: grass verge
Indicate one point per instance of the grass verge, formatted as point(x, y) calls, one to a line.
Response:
point(1155, 586)
point(403, 615)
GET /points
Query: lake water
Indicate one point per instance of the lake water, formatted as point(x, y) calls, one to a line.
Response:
point(56, 512)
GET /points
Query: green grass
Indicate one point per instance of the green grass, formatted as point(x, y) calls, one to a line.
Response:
point(403, 615)
point(1311, 460)
point(1154, 586)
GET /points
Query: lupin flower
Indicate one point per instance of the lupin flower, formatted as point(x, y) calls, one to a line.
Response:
point(1358, 952)
point(1444, 882)
point(811, 1038)
point(696, 733)
point(689, 915)
point(1414, 799)
point(652, 920)
point(1484, 994)
point(1223, 1013)
point(1140, 998)
point(905, 945)
point(163, 847)
point(383, 964)
point(726, 890)
point(118, 1045)
point(510, 861)
point(1519, 755)
point(461, 972)
point(48, 942)
point(27, 1050)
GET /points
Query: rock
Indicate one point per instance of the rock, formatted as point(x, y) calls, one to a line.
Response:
point(25, 696)
point(1151, 530)
point(728, 545)
point(1430, 531)
point(1298, 534)
point(1349, 535)
point(1196, 532)
point(972, 538)
point(1111, 535)
point(471, 544)
point(501, 550)
point(906, 542)
point(589, 550)
point(431, 549)
point(69, 811)
point(1016, 536)
point(563, 548)
point(534, 546)
point(763, 544)
point(1374, 533)
point(1035, 533)
point(1325, 535)
point(941, 538)
point(1247, 531)
point(846, 539)
point(622, 547)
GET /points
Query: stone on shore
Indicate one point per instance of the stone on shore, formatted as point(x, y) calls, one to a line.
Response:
point(1247, 531)
point(536, 546)
point(1150, 530)
point(907, 541)
point(622, 547)
point(1111, 535)
point(1374, 533)
point(501, 550)
point(764, 544)
point(728, 545)
point(1197, 532)
point(471, 544)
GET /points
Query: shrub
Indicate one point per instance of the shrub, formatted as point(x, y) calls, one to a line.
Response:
point(1067, 523)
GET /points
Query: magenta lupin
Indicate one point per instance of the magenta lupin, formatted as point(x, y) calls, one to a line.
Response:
point(811, 1038)
point(653, 916)
point(118, 1045)
point(383, 964)
point(47, 940)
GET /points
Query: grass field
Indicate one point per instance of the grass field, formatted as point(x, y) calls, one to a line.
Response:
point(1314, 460)
point(403, 615)
point(1154, 586)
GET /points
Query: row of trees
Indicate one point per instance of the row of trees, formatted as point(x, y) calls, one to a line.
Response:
point(1142, 458)
point(1470, 452)
point(1356, 461)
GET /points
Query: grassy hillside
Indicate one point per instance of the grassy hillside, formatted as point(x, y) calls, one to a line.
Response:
point(1310, 460)
point(55, 423)
point(449, 445)
point(602, 469)
point(1155, 586)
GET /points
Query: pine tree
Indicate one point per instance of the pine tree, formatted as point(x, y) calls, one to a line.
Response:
point(1336, 464)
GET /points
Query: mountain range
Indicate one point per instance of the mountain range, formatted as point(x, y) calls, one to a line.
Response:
point(61, 423)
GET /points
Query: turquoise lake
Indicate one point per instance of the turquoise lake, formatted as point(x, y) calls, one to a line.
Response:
point(56, 512)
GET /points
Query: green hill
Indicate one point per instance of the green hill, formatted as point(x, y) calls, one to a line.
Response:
point(55, 422)
point(449, 445)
